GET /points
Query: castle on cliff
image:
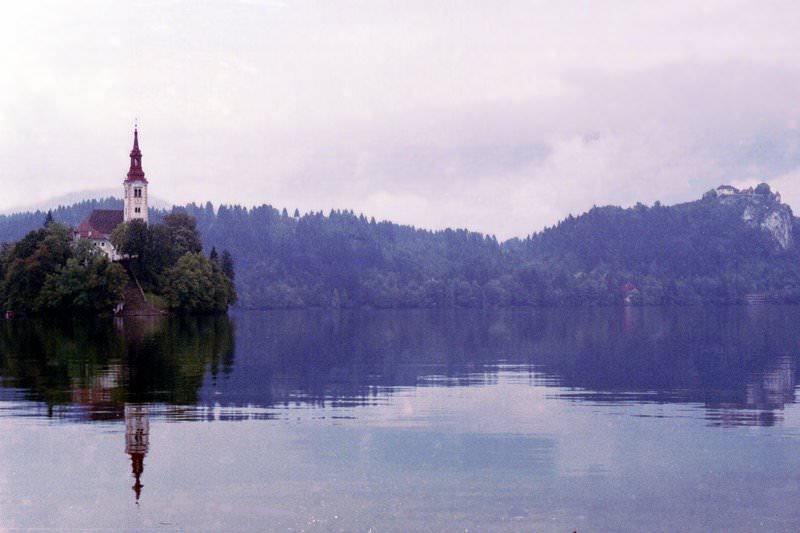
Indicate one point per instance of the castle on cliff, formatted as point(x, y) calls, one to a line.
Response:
point(97, 227)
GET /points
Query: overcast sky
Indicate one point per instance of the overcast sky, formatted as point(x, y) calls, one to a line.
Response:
point(502, 117)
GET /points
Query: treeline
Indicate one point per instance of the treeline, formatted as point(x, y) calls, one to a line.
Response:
point(346, 260)
point(15, 226)
point(699, 252)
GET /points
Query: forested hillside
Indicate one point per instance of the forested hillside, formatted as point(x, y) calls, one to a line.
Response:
point(723, 248)
point(717, 249)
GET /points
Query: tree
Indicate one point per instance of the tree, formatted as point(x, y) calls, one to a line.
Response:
point(226, 263)
point(92, 284)
point(132, 239)
point(28, 262)
point(195, 284)
point(182, 230)
point(213, 255)
point(48, 219)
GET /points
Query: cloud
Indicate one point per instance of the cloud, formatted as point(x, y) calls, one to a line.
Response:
point(502, 121)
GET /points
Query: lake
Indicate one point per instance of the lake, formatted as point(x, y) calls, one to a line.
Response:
point(610, 419)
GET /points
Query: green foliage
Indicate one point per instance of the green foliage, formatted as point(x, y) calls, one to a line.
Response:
point(95, 285)
point(167, 259)
point(43, 272)
point(196, 284)
point(28, 262)
point(684, 254)
point(46, 272)
point(155, 248)
point(156, 300)
point(182, 232)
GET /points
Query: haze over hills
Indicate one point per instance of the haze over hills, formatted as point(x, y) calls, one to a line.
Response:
point(730, 246)
point(77, 197)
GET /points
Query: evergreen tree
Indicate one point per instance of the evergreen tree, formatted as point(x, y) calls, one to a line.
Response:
point(226, 263)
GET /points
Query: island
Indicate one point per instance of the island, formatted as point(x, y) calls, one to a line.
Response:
point(115, 261)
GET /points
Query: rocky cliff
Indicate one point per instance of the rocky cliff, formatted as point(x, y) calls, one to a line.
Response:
point(761, 209)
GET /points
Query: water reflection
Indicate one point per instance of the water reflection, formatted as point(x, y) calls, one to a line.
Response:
point(738, 363)
point(594, 418)
point(91, 370)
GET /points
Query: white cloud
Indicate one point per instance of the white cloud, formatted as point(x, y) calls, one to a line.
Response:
point(498, 120)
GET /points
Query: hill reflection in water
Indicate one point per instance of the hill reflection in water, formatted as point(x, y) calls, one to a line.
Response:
point(736, 363)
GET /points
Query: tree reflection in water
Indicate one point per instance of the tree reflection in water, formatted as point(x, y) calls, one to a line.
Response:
point(730, 360)
point(738, 364)
point(91, 369)
point(97, 371)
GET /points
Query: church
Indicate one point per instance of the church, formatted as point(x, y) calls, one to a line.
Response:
point(97, 227)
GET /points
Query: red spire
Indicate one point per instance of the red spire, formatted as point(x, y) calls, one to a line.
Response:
point(135, 173)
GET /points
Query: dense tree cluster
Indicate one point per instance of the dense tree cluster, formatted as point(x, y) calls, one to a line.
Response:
point(691, 253)
point(47, 272)
point(44, 272)
point(167, 259)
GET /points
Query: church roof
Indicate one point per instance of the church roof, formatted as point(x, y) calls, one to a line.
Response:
point(135, 173)
point(99, 224)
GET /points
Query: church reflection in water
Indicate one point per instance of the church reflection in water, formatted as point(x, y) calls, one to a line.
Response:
point(740, 366)
point(137, 441)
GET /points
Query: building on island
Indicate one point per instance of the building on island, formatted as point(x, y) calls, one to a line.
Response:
point(135, 186)
point(98, 226)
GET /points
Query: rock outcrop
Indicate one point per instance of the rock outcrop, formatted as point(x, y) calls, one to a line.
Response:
point(761, 209)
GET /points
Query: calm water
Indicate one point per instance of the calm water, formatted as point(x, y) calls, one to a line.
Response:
point(541, 420)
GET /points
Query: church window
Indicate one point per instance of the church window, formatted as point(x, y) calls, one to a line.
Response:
point(138, 209)
point(137, 193)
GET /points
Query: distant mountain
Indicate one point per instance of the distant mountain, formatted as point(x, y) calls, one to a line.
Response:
point(730, 246)
point(80, 196)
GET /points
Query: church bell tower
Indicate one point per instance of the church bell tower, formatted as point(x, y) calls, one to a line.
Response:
point(135, 185)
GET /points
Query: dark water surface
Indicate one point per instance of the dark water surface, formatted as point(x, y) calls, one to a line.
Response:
point(654, 419)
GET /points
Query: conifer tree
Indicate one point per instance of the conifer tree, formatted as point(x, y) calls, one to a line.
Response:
point(226, 264)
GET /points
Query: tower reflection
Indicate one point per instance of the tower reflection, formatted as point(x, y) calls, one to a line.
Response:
point(137, 441)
